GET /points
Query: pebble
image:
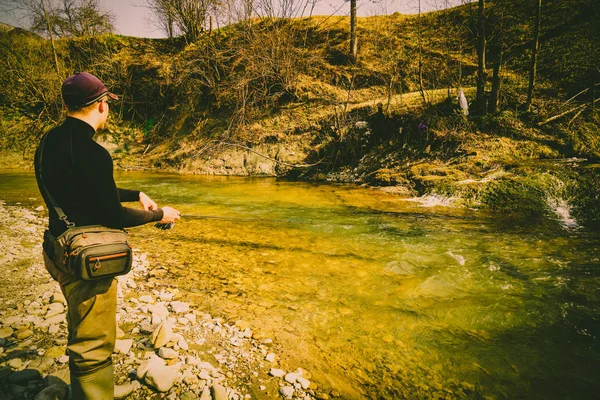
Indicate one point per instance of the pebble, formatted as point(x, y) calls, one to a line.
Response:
point(58, 297)
point(147, 299)
point(57, 307)
point(270, 357)
point(206, 394)
point(55, 352)
point(6, 332)
point(120, 333)
point(167, 353)
point(63, 359)
point(24, 334)
point(15, 363)
point(41, 364)
point(161, 378)
point(158, 309)
point(57, 319)
point(161, 335)
point(278, 373)
point(179, 307)
point(53, 329)
point(287, 391)
point(122, 391)
point(153, 362)
point(305, 383)
point(218, 392)
point(291, 377)
point(123, 345)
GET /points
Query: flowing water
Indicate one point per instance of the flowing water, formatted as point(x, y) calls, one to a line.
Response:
point(381, 297)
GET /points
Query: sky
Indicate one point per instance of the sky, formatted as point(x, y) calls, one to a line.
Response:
point(133, 19)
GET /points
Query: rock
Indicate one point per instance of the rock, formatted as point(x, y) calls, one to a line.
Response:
point(147, 299)
point(167, 353)
point(25, 376)
point(291, 377)
point(42, 364)
point(218, 392)
point(53, 392)
point(183, 344)
point(58, 297)
point(278, 373)
point(122, 391)
point(24, 334)
point(39, 208)
point(158, 309)
point(205, 394)
point(153, 362)
point(2, 342)
point(179, 307)
point(120, 333)
point(305, 383)
point(190, 317)
point(156, 320)
point(15, 363)
point(58, 377)
point(322, 396)
point(55, 352)
point(161, 335)
point(53, 329)
point(161, 378)
point(183, 321)
point(57, 319)
point(6, 332)
point(188, 396)
point(123, 345)
point(63, 359)
point(56, 307)
point(287, 391)
point(270, 357)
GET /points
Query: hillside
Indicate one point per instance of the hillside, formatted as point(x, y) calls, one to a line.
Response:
point(282, 97)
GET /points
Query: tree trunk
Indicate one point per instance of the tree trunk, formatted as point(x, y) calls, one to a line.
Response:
point(536, 45)
point(47, 16)
point(421, 86)
point(497, 67)
point(353, 38)
point(481, 49)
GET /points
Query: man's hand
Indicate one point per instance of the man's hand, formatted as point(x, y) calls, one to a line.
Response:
point(147, 202)
point(170, 215)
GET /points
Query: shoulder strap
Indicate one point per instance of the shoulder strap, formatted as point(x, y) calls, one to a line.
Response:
point(61, 214)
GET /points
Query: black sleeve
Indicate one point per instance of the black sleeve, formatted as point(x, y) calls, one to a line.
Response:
point(128, 195)
point(104, 196)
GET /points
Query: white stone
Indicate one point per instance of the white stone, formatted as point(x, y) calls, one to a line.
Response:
point(183, 344)
point(123, 345)
point(156, 319)
point(122, 391)
point(58, 297)
point(287, 391)
point(179, 307)
point(167, 353)
point(161, 378)
point(279, 373)
point(158, 309)
point(270, 357)
point(63, 359)
point(15, 363)
point(147, 299)
point(152, 362)
point(183, 321)
point(291, 377)
point(190, 317)
point(305, 383)
point(161, 335)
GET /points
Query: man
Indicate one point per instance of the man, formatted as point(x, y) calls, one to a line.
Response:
point(78, 174)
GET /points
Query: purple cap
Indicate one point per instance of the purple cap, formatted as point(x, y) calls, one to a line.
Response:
point(83, 89)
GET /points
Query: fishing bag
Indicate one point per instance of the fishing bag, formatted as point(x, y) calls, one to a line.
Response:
point(89, 252)
point(92, 252)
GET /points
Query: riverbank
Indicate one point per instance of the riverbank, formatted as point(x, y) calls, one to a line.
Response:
point(166, 347)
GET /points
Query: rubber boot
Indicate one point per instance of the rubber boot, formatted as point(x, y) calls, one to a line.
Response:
point(97, 385)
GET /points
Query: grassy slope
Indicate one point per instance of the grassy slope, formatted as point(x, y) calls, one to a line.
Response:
point(171, 118)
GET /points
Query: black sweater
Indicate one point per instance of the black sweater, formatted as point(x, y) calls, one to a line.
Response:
point(78, 173)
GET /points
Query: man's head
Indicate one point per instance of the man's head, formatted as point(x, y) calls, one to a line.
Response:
point(86, 98)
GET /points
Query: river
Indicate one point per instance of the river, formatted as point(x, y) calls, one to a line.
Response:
point(377, 296)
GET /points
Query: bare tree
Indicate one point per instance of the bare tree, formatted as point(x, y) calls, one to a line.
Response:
point(353, 37)
point(187, 17)
point(481, 50)
point(534, 54)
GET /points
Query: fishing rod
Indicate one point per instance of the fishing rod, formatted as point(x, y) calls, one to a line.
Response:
point(170, 225)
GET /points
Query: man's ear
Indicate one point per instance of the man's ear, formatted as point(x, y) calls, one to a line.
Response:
point(102, 107)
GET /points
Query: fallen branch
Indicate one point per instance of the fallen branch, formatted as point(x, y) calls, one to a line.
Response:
point(562, 114)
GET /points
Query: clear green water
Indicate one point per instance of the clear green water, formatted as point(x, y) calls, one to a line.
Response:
point(377, 296)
